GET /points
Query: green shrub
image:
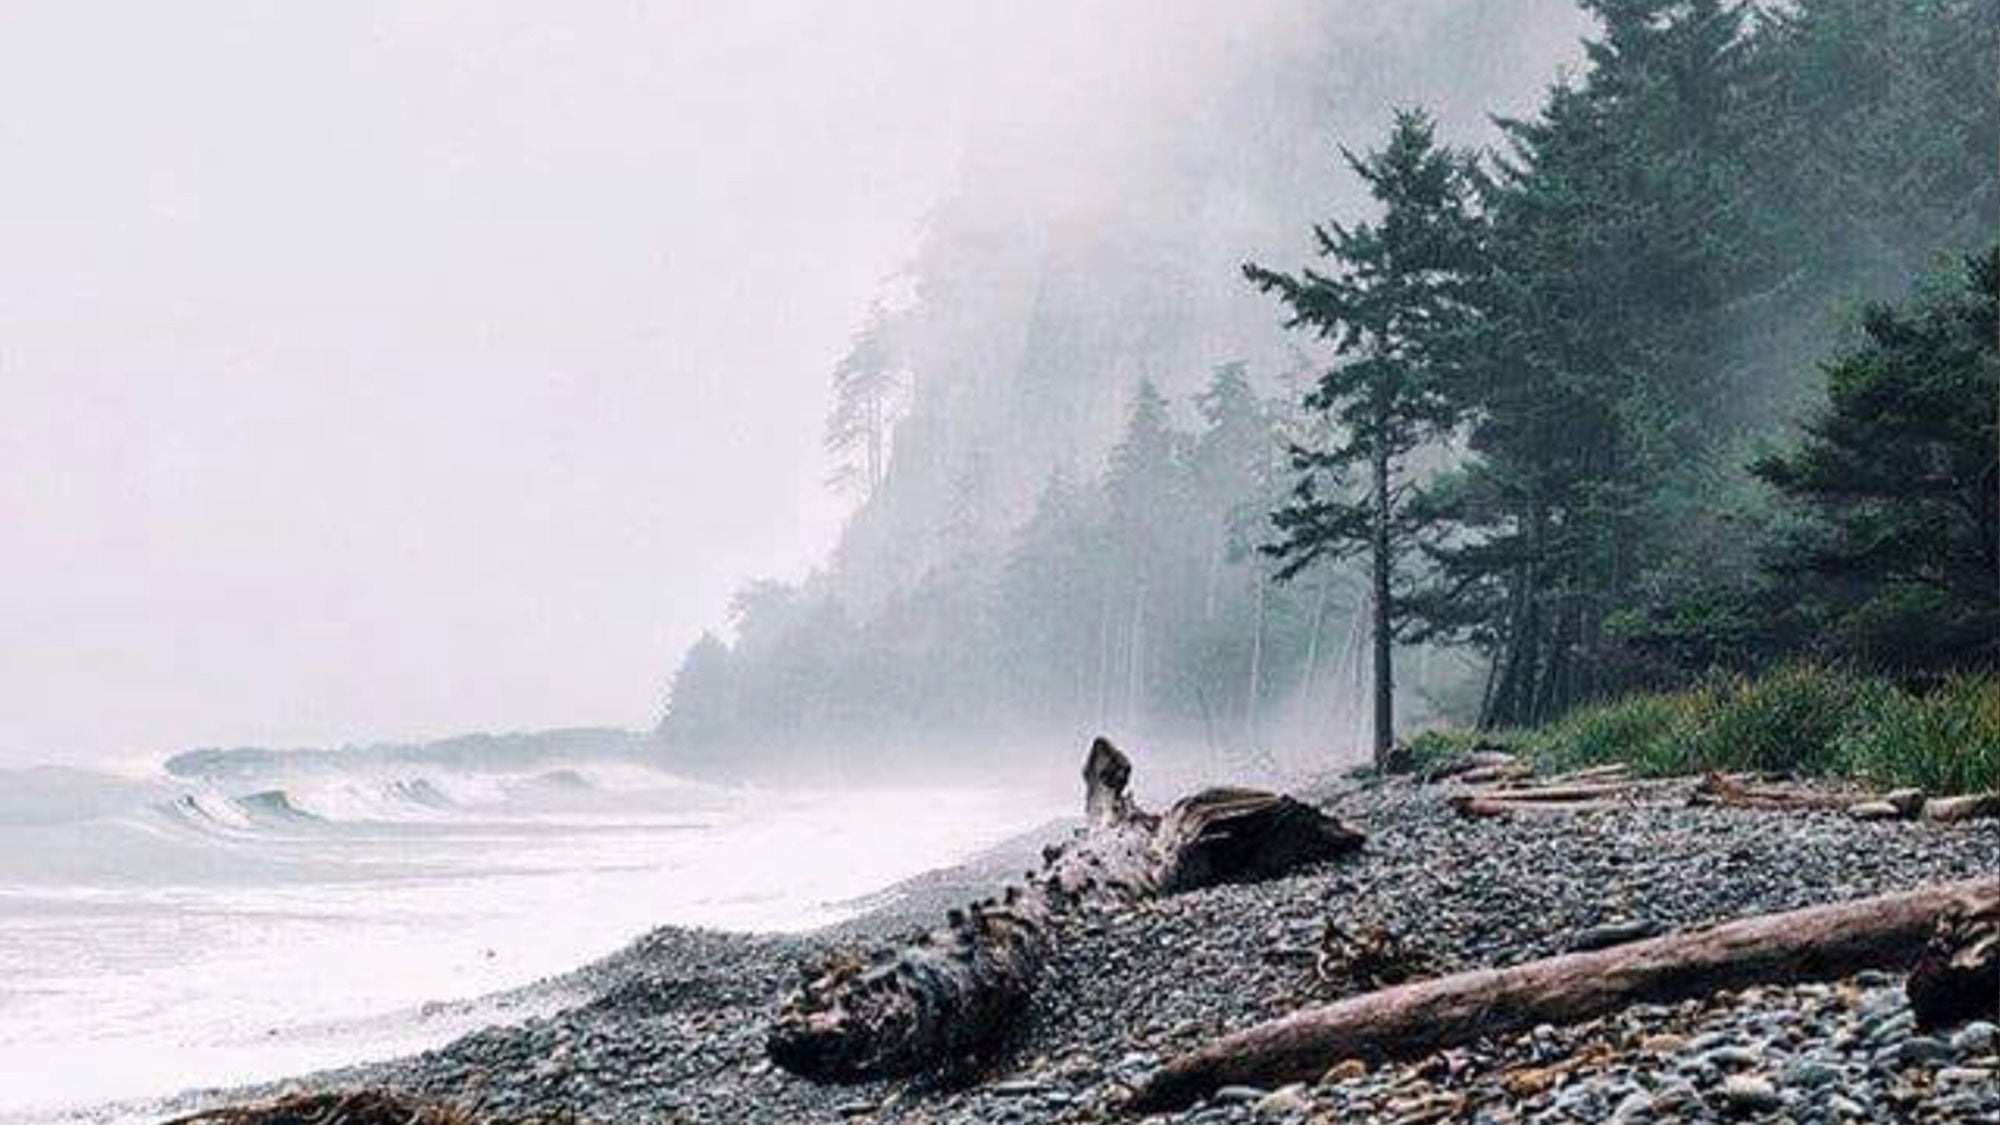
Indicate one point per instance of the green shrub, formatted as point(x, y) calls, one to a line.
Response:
point(1802, 720)
point(1646, 732)
point(1428, 749)
point(1796, 720)
point(1947, 741)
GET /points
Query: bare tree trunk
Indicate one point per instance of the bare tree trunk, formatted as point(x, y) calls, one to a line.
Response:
point(1135, 680)
point(1385, 720)
point(875, 438)
point(1213, 580)
point(956, 991)
point(1311, 678)
point(1256, 669)
point(1818, 943)
point(1104, 658)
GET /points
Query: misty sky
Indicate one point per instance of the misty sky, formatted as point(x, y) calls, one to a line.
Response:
point(390, 370)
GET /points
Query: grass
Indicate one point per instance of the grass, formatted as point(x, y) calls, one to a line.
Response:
point(1947, 741)
point(1802, 720)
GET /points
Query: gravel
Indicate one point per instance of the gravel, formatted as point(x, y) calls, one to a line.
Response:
point(672, 1027)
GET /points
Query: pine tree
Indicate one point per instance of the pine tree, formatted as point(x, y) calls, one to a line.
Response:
point(1145, 499)
point(1898, 476)
point(700, 707)
point(1396, 295)
point(865, 385)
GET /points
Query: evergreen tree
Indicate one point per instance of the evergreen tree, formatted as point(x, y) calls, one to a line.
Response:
point(1601, 378)
point(1397, 294)
point(1145, 504)
point(700, 708)
point(865, 385)
point(1897, 559)
point(1049, 601)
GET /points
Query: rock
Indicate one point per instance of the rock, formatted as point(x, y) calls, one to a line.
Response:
point(1975, 1038)
point(1709, 1041)
point(1636, 1106)
point(1615, 933)
point(1239, 1095)
point(1874, 810)
point(1733, 1058)
point(1288, 1101)
point(1893, 1027)
point(1750, 1093)
point(1345, 1070)
point(1920, 1050)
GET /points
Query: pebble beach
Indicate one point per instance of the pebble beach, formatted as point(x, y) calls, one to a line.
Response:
point(670, 1030)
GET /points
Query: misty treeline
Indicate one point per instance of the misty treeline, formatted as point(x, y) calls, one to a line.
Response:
point(1129, 597)
point(1613, 400)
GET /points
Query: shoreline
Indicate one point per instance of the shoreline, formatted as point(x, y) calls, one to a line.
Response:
point(670, 1028)
point(912, 902)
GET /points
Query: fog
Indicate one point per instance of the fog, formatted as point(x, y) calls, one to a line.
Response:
point(392, 370)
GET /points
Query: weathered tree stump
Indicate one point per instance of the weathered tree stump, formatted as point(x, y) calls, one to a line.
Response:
point(955, 992)
point(1957, 976)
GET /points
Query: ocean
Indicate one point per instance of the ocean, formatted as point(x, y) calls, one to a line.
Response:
point(158, 934)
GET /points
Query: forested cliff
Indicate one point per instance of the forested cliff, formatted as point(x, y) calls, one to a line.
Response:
point(1066, 427)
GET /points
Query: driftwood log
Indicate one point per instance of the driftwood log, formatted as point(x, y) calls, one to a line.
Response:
point(1817, 943)
point(954, 993)
point(1973, 806)
point(1957, 977)
point(1484, 806)
point(1900, 804)
point(1731, 791)
point(357, 1107)
point(1477, 761)
point(1593, 789)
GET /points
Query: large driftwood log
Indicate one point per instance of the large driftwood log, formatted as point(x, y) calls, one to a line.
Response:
point(1821, 942)
point(1972, 806)
point(1899, 804)
point(1484, 757)
point(1481, 806)
point(954, 993)
point(1731, 791)
point(1957, 977)
point(360, 1107)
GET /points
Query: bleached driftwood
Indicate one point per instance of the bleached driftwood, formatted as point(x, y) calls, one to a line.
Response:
point(1484, 806)
point(954, 993)
point(1972, 806)
point(1817, 943)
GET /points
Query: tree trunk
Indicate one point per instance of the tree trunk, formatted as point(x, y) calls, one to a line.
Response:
point(1104, 658)
point(1310, 680)
point(955, 992)
point(1255, 685)
point(1818, 943)
point(1135, 656)
point(1385, 719)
